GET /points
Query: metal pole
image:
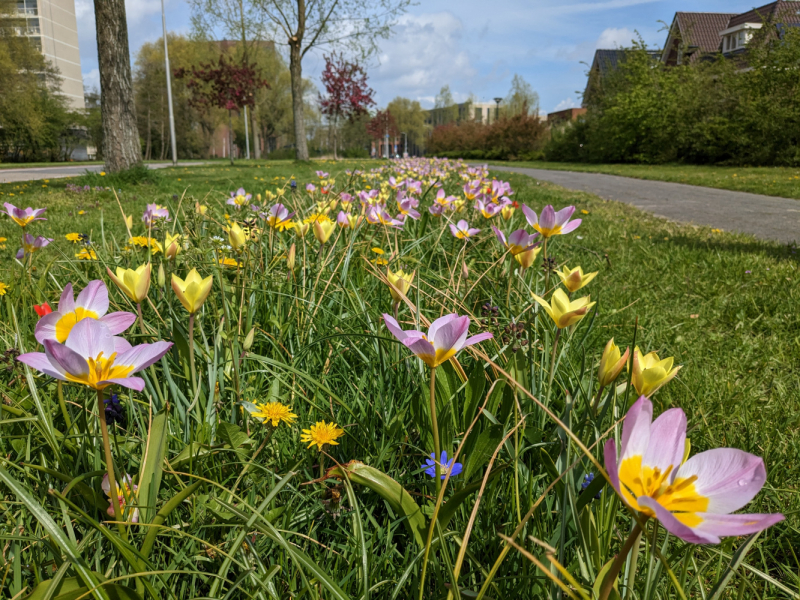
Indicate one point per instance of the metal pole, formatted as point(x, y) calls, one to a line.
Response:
point(386, 142)
point(169, 90)
point(246, 135)
point(405, 144)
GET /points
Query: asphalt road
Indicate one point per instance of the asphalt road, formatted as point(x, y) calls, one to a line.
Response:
point(56, 172)
point(765, 217)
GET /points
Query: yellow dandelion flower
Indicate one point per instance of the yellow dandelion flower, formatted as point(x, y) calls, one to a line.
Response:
point(275, 412)
point(73, 237)
point(139, 240)
point(322, 433)
point(3, 243)
point(228, 262)
point(81, 212)
point(378, 251)
point(86, 254)
point(314, 217)
point(3, 288)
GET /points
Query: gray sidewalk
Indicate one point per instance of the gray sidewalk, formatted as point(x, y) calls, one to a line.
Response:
point(57, 172)
point(765, 217)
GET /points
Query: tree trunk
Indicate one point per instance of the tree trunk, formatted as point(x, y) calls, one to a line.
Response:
point(256, 132)
point(121, 146)
point(230, 136)
point(296, 71)
point(335, 131)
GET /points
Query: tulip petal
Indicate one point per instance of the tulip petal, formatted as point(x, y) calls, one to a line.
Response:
point(40, 362)
point(571, 226)
point(728, 477)
point(636, 429)
point(667, 441)
point(530, 215)
point(66, 303)
point(422, 348)
point(612, 467)
point(117, 322)
point(718, 526)
point(121, 345)
point(46, 327)
point(142, 356)
point(563, 215)
point(547, 218)
point(394, 327)
point(94, 297)
point(674, 526)
point(133, 383)
point(63, 358)
point(475, 339)
point(89, 337)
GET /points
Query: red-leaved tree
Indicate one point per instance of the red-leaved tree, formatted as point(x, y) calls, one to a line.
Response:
point(224, 85)
point(347, 92)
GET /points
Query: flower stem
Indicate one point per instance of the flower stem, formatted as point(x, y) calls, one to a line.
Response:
point(63, 405)
point(191, 355)
point(112, 482)
point(546, 267)
point(553, 362)
point(611, 576)
point(437, 453)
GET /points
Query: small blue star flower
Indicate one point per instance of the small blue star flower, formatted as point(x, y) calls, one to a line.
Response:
point(452, 466)
point(587, 479)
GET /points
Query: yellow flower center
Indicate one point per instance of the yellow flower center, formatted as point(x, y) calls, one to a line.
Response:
point(101, 369)
point(69, 320)
point(548, 231)
point(679, 497)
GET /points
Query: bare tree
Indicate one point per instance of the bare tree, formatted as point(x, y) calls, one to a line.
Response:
point(121, 147)
point(305, 24)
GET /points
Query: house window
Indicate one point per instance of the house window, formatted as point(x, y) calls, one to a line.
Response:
point(478, 113)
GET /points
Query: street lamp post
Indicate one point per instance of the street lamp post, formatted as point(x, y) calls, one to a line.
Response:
point(386, 142)
point(497, 111)
point(405, 144)
point(169, 89)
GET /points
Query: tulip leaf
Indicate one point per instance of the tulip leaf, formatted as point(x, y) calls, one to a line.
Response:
point(53, 530)
point(152, 467)
point(162, 515)
point(71, 588)
point(480, 448)
point(475, 386)
point(390, 490)
point(736, 560)
point(449, 508)
point(598, 583)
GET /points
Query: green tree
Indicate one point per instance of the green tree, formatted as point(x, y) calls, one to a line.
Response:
point(521, 99)
point(445, 108)
point(410, 118)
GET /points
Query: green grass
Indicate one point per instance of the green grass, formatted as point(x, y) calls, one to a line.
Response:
point(723, 305)
point(770, 181)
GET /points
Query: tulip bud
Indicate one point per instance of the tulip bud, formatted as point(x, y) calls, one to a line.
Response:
point(162, 278)
point(172, 245)
point(650, 372)
point(400, 283)
point(248, 340)
point(133, 283)
point(464, 270)
point(236, 236)
point(290, 258)
point(258, 198)
point(129, 222)
point(611, 363)
point(574, 279)
point(192, 291)
point(323, 230)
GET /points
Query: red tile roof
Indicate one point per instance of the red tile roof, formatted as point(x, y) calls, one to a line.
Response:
point(702, 29)
point(782, 11)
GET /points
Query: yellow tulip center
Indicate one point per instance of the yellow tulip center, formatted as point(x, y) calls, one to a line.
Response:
point(101, 369)
point(679, 497)
point(548, 231)
point(69, 320)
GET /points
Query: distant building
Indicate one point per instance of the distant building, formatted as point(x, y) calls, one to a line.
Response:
point(605, 62)
point(52, 27)
point(563, 116)
point(481, 112)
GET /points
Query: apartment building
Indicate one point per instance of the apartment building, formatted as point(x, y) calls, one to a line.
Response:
point(53, 28)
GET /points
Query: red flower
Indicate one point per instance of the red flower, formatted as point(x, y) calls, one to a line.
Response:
point(42, 309)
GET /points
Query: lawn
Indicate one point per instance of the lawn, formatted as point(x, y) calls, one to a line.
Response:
point(247, 510)
point(770, 181)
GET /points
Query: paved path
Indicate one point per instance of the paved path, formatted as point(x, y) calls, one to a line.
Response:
point(766, 217)
point(56, 172)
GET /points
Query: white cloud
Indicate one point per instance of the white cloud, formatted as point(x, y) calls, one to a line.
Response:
point(91, 79)
point(424, 54)
point(614, 37)
point(565, 104)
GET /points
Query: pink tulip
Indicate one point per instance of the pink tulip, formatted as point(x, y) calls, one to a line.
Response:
point(462, 230)
point(92, 303)
point(691, 498)
point(23, 217)
point(446, 336)
point(94, 357)
point(550, 222)
point(517, 242)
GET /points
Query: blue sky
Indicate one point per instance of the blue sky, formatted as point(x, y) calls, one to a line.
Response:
point(475, 46)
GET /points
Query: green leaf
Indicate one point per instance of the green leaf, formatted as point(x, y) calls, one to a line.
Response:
point(730, 570)
point(475, 386)
point(54, 531)
point(152, 467)
point(232, 435)
point(388, 489)
point(450, 507)
point(479, 449)
point(162, 515)
point(598, 583)
point(71, 588)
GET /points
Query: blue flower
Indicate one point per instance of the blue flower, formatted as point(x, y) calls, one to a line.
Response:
point(587, 479)
point(452, 466)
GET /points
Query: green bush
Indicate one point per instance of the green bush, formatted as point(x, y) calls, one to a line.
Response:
point(723, 111)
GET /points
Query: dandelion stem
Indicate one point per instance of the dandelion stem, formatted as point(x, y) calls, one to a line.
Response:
point(112, 482)
point(435, 430)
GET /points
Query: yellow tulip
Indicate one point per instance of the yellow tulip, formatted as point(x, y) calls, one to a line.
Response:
point(527, 258)
point(134, 284)
point(129, 222)
point(563, 311)
point(650, 372)
point(162, 278)
point(200, 209)
point(236, 237)
point(507, 211)
point(323, 230)
point(172, 245)
point(301, 229)
point(192, 291)
point(400, 283)
point(574, 279)
point(291, 257)
point(611, 363)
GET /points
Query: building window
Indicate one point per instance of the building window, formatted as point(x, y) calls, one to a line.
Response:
point(478, 113)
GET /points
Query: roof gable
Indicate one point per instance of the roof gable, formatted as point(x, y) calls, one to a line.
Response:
point(701, 30)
